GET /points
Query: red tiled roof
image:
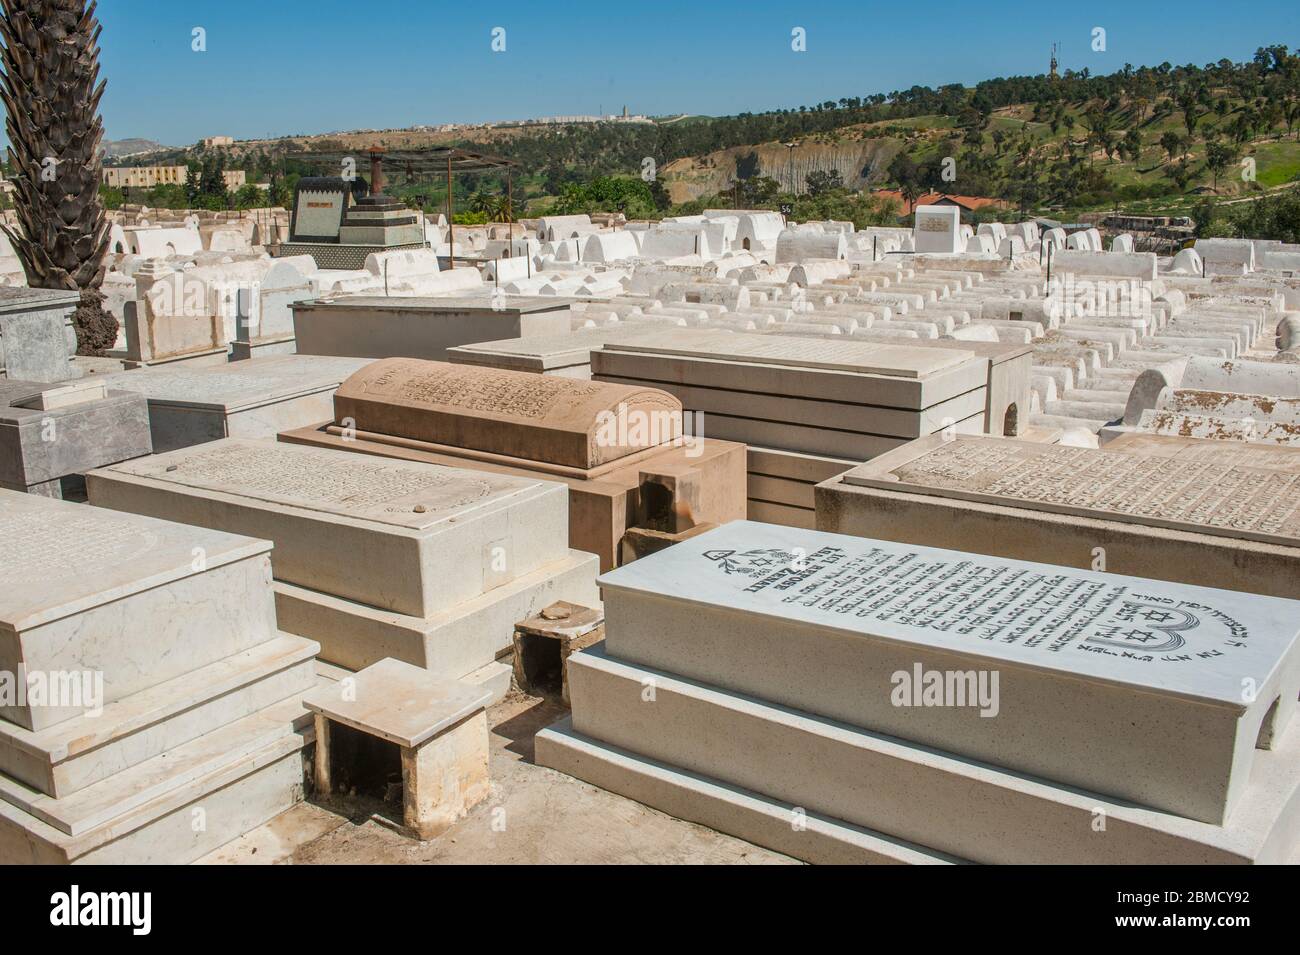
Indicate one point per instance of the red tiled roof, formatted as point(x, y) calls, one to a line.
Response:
point(969, 203)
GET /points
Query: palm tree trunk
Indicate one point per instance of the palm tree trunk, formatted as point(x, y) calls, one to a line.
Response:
point(51, 91)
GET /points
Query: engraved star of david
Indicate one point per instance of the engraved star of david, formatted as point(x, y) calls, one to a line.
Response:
point(1142, 636)
point(1157, 616)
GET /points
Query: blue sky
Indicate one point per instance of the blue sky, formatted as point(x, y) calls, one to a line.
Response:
point(279, 67)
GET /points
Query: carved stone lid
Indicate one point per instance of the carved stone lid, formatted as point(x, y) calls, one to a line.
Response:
point(562, 421)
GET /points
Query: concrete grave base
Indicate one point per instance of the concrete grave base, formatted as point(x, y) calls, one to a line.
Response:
point(453, 642)
point(233, 795)
point(738, 812)
point(912, 792)
point(85, 750)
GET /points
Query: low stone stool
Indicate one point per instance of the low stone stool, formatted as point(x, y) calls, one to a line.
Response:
point(438, 725)
point(543, 644)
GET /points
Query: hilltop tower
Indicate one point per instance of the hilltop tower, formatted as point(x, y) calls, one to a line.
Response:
point(1052, 72)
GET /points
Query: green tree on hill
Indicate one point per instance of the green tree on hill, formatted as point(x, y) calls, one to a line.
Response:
point(822, 181)
point(1218, 156)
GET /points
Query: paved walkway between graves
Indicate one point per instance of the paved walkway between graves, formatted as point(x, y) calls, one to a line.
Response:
point(534, 815)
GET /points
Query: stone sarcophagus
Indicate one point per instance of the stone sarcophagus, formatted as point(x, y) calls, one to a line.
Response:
point(599, 438)
point(508, 414)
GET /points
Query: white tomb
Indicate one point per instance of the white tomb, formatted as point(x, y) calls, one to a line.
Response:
point(938, 229)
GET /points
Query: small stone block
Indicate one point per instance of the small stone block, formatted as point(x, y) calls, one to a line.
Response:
point(571, 626)
point(65, 396)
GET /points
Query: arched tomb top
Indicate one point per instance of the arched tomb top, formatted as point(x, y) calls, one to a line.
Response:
point(540, 418)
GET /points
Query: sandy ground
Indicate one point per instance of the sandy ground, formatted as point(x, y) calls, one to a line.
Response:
point(534, 815)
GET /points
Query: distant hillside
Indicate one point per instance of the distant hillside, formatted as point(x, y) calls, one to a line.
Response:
point(120, 148)
point(1076, 155)
point(1145, 140)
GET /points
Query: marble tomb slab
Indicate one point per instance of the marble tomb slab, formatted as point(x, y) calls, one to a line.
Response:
point(87, 589)
point(1214, 513)
point(1139, 689)
point(402, 536)
point(373, 326)
point(1185, 491)
point(864, 358)
point(255, 398)
point(567, 354)
point(888, 376)
point(602, 501)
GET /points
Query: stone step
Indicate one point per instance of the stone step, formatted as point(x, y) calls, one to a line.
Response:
point(1096, 394)
point(1116, 374)
point(913, 793)
point(1087, 409)
point(737, 812)
point(455, 641)
point(177, 827)
point(155, 781)
point(82, 751)
point(1065, 422)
